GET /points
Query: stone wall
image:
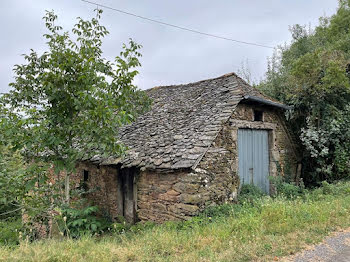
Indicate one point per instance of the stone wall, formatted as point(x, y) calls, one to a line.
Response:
point(172, 196)
point(283, 151)
point(215, 180)
point(103, 183)
point(180, 194)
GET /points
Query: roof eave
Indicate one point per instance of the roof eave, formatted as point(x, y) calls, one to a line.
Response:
point(266, 102)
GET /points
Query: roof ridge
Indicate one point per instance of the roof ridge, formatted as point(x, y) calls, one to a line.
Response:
point(178, 135)
point(196, 82)
point(248, 87)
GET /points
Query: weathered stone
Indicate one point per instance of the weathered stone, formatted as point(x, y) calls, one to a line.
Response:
point(185, 187)
point(182, 164)
point(179, 187)
point(188, 208)
point(202, 171)
point(182, 117)
point(172, 192)
point(158, 206)
point(190, 199)
point(193, 156)
point(168, 197)
point(166, 159)
point(205, 137)
point(196, 150)
point(158, 162)
point(167, 143)
point(165, 165)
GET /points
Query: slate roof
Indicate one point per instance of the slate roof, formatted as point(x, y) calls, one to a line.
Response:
point(183, 122)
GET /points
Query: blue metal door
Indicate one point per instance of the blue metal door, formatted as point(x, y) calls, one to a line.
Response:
point(253, 158)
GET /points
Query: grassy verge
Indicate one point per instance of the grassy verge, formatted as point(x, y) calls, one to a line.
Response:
point(258, 229)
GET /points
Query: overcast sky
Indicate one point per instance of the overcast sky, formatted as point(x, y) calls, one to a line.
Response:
point(170, 56)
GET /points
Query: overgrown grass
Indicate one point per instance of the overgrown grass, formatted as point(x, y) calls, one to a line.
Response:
point(259, 229)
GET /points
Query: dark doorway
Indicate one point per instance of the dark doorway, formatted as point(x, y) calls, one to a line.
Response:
point(127, 194)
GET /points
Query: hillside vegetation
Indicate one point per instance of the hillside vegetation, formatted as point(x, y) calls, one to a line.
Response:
point(312, 74)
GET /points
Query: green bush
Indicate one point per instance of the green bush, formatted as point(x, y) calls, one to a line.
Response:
point(9, 230)
point(288, 190)
point(76, 222)
point(336, 188)
point(217, 211)
point(250, 193)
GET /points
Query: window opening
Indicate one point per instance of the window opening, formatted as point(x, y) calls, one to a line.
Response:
point(85, 180)
point(86, 175)
point(258, 115)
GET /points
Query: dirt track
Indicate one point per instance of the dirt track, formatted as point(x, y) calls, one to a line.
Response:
point(335, 248)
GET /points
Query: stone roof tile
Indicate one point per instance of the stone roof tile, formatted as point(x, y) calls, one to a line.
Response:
point(182, 123)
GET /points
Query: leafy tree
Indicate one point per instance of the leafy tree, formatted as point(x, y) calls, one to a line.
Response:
point(68, 103)
point(11, 185)
point(312, 75)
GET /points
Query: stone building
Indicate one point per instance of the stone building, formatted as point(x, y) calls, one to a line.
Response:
point(195, 148)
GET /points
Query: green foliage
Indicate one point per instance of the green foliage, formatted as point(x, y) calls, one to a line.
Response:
point(312, 75)
point(76, 222)
point(288, 190)
point(11, 182)
point(259, 231)
point(70, 101)
point(218, 211)
point(250, 193)
point(66, 105)
point(336, 189)
point(21, 191)
point(9, 230)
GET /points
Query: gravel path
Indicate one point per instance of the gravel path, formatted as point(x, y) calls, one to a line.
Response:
point(335, 248)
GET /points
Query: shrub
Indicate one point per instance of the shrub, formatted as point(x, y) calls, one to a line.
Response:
point(76, 222)
point(217, 211)
point(288, 190)
point(9, 231)
point(336, 188)
point(250, 193)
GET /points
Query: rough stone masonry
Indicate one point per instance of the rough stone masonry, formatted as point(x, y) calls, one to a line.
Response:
point(183, 154)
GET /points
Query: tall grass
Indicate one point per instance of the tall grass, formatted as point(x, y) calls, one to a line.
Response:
point(258, 229)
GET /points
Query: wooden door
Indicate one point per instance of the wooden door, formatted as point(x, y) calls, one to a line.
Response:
point(126, 195)
point(253, 158)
